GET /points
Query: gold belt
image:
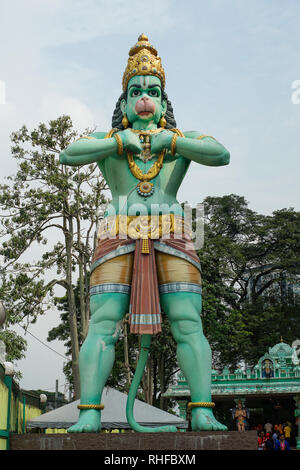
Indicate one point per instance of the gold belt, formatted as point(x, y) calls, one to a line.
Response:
point(143, 226)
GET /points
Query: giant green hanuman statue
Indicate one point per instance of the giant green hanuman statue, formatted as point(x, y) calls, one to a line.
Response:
point(145, 262)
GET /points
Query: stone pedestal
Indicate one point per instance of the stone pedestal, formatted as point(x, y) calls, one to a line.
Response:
point(179, 441)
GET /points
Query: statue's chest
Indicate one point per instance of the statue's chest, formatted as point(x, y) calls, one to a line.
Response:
point(123, 171)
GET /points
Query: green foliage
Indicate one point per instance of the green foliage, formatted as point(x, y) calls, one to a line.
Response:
point(15, 345)
point(48, 220)
point(246, 259)
point(267, 323)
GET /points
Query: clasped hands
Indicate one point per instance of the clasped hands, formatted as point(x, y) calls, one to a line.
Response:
point(160, 141)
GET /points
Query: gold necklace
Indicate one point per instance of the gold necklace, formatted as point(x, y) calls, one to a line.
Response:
point(145, 188)
point(147, 132)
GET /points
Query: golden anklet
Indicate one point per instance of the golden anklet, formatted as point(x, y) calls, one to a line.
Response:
point(90, 407)
point(201, 404)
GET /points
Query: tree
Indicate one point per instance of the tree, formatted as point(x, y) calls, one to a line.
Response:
point(246, 243)
point(245, 258)
point(49, 212)
point(15, 345)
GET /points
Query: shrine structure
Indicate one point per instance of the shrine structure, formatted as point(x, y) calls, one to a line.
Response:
point(270, 391)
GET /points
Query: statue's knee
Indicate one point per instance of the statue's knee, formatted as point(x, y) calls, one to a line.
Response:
point(107, 314)
point(184, 313)
point(182, 306)
point(108, 307)
point(107, 330)
point(189, 326)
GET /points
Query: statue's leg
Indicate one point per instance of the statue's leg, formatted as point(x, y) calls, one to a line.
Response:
point(110, 289)
point(193, 353)
point(97, 354)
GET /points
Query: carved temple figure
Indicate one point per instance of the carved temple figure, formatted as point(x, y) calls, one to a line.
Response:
point(267, 369)
point(240, 415)
point(145, 262)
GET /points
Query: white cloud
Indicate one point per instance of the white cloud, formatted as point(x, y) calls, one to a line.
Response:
point(50, 23)
point(54, 105)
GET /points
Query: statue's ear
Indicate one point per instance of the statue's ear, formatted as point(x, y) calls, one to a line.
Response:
point(164, 106)
point(123, 106)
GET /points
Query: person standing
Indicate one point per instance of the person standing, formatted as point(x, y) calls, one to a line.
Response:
point(261, 441)
point(282, 443)
point(275, 437)
point(287, 432)
point(268, 427)
point(269, 444)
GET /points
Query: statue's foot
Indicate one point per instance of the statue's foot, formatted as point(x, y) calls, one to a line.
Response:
point(204, 420)
point(89, 421)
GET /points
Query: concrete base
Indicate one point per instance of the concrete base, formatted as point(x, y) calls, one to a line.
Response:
point(219, 440)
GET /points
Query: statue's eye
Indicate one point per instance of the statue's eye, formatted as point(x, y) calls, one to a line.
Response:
point(153, 93)
point(135, 93)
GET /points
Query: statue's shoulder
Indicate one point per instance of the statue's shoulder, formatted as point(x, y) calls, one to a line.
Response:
point(98, 135)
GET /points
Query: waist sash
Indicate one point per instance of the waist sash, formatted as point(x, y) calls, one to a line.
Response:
point(116, 238)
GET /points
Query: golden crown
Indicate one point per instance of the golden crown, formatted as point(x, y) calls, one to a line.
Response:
point(143, 60)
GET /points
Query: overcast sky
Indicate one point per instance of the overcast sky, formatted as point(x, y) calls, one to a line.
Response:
point(230, 66)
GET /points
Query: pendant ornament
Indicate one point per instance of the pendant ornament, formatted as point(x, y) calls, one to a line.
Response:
point(145, 188)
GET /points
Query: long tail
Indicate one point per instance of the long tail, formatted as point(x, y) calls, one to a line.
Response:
point(145, 346)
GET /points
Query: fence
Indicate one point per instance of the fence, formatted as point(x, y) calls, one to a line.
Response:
point(16, 408)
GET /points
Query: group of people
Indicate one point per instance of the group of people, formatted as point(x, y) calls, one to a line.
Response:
point(275, 437)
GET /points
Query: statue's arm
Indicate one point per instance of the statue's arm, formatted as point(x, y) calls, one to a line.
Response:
point(89, 149)
point(202, 149)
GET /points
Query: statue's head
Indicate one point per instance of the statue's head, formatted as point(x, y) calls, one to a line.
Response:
point(144, 100)
point(143, 97)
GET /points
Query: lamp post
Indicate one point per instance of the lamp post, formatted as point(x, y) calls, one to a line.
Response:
point(43, 401)
point(2, 344)
point(9, 372)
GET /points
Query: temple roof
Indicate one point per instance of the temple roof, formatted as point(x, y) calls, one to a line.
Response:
point(281, 349)
point(276, 373)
